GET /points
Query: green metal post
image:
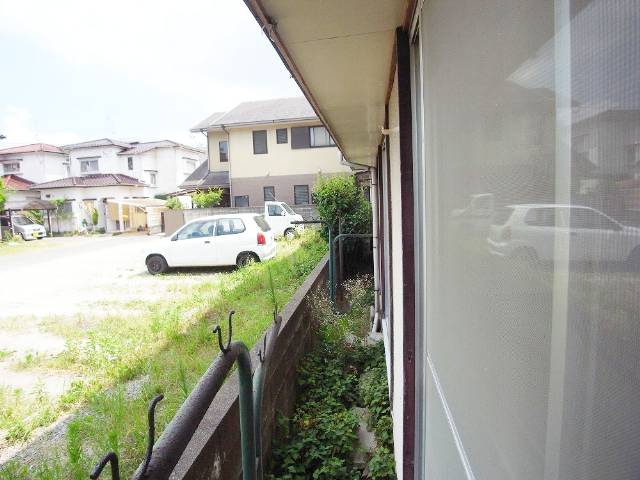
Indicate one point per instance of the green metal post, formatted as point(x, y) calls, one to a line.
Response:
point(247, 437)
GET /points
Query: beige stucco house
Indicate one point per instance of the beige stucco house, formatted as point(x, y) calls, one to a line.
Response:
point(271, 150)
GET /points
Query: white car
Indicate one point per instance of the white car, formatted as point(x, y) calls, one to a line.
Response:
point(280, 215)
point(27, 229)
point(528, 231)
point(233, 239)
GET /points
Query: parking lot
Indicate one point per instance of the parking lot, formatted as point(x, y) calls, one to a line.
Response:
point(68, 284)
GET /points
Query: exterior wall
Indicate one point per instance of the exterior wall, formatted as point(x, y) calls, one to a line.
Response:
point(397, 286)
point(283, 184)
point(169, 164)
point(108, 161)
point(215, 165)
point(18, 197)
point(281, 159)
point(38, 166)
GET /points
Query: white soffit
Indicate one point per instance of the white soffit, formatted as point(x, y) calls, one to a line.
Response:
point(343, 51)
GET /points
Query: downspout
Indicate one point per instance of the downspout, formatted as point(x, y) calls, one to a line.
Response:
point(373, 174)
point(229, 162)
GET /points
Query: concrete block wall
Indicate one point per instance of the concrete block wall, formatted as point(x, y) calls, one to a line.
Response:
point(174, 219)
point(214, 452)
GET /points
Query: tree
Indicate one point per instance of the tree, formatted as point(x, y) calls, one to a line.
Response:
point(210, 198)
point(173, 203)
point(59, 204)
point(341, 198)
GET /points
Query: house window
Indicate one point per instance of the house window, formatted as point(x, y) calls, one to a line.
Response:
point(223, 148)
point(269, 193)
point(241, 200)
point(130, 163)
point(307, 137)
point(301, 194)
point(153, 178)
point(282, 135)
point(319, 137)
point(89, 165)
point(13, 167)
point(259, 142)
point(633, 154)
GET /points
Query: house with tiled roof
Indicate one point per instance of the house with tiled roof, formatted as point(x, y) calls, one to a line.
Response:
point(267, 150)
point(37, 162)
point(117, 179)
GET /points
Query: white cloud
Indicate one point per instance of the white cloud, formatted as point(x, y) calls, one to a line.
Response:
point(18, 125)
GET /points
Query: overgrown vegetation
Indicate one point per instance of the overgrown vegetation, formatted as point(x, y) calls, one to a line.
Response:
point(319, 441)
point(207, 199)
point(172, 203)
point(341, 198)
point(164, 348)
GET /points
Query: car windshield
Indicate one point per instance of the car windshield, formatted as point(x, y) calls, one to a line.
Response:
point(262, 223)
point(288, 209)
point(22, 221)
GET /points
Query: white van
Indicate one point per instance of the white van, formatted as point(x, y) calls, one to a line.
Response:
point(280, 215)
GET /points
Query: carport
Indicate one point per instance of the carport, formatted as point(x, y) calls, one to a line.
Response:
point(39, 205)
point(135, 214)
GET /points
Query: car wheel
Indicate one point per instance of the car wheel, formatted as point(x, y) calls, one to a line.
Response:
point(24, 238)
point(634, 259)
point(289, 234)
point(246, 258)
point(157, 264)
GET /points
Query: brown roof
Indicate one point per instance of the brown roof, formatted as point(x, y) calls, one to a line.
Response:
point(93, 180)
point(262, 111)
point(14, 182)
point(31, 148)
point(102, 142)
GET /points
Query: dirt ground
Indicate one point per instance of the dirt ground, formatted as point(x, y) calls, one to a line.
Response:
point(73, 277)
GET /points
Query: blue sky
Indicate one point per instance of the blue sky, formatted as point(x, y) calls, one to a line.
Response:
point(132, 70)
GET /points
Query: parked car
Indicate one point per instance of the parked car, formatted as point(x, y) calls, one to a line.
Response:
point(233, 239)
point(529, 231)
point(280, 215)
point(24, 227)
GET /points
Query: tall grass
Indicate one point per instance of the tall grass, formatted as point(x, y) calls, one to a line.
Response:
point(166, 351)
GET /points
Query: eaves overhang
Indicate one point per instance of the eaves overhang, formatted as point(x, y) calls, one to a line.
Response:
point(341, 54)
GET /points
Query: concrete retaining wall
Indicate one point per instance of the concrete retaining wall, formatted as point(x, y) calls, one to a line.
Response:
point(214, 451)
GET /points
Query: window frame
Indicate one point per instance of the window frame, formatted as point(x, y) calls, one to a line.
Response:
point(235, 200)
point(254, 134)
point(12, 171)
point(312, 128)
point(90, 160)
point(279, 132)
point(224, 159)
point(264, 193)
point(130, 163)
point(295, 199)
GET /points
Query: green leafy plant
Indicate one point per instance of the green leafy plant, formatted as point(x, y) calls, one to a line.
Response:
point(35, 216)
point(207, 199)
point(4, 194)
point(341, 198)
point(94, 217)
point(173, 203)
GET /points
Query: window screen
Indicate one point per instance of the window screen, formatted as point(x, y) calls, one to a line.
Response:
point(533, 340)
point(300, 137)
point(223, 148)
point(260, 141)
point(269, 193)
point(301, 194)
point(282, 135)
point(241, 200)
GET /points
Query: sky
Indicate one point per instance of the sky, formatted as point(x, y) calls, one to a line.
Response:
point(140, 70)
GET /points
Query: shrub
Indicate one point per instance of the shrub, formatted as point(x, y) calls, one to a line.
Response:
point(4, 194)
point(173, 203)
point(94, 217)
point(340, 197)
point(210, 198)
